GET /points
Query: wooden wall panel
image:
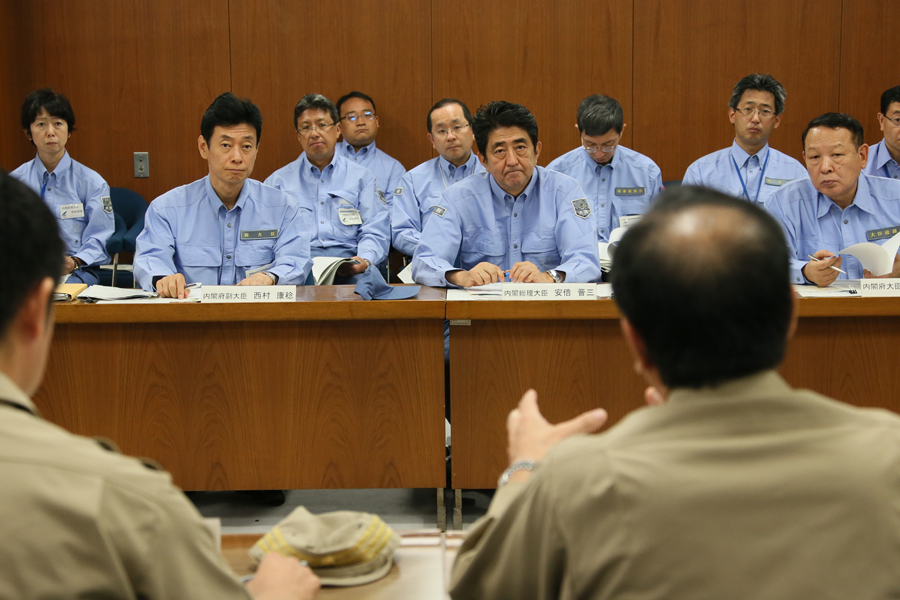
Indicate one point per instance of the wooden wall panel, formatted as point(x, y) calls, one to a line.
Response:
point(868, 60)
point(548, 56)
point(139, 75)
point(282, 49)
point(16, 59)
point(688, 54)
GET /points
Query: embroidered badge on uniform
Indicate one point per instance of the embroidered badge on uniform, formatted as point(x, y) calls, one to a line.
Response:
point(107, 204)
point(381, 196)
point(882, 234)
point(582, 208)
point(438, 210)
point(398, 191)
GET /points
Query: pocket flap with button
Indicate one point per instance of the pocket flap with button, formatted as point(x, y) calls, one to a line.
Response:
point(538, 244)
point(200, 256)
point(254, 255)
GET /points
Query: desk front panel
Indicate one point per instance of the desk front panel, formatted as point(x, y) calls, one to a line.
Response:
point(573, 354)
point(259, 405)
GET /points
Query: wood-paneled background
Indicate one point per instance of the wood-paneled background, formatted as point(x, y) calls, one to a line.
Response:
point(139, 73)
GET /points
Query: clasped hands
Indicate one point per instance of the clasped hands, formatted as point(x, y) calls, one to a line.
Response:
point(484, 273)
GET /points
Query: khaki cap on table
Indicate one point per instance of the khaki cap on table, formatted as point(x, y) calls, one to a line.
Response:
point(343, 548)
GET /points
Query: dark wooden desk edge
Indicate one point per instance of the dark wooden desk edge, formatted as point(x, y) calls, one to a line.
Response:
point(607, 309)
point(324, 303)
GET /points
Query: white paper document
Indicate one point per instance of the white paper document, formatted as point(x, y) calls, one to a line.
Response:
point(878, 260)
point(405, 274)
point(840, 287)
point(325, 268)
point(106, 292)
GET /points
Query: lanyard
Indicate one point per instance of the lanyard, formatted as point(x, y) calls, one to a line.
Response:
point(441, 169)
point(761, 177)
point(44, 185)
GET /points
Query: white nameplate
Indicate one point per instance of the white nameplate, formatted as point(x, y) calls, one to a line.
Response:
point(549, 291)
point(879, 287)
point(71, 211)
point(248, 293)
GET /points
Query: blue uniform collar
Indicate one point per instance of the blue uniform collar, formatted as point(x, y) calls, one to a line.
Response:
point(882, 155)
point(61, 169)
point(307, 167)
point(351, 151)
point(526, 193)
point(863, 199)
point(446, 165)
point(591, 163)
point(216, 201)
point(741, 156)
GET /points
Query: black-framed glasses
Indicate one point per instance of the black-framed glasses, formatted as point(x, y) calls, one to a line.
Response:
point(353, 117)
point(894, 120)
point(308, 129)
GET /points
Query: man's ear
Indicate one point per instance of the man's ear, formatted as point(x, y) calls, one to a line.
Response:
point(795, 315)
point(32, 320)
point(636, 346)
point(481, 160)
point(204, 149)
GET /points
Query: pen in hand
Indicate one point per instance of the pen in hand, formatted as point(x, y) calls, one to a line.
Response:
point(831, 267)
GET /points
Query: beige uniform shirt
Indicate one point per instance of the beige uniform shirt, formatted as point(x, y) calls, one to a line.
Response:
point(748, 490)
point(78, 521)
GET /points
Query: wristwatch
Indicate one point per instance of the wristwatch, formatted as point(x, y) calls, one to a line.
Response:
point(557, 278)
point(519, 465)
point(272, 275)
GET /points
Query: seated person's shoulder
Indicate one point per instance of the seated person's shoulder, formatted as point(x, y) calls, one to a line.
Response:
point(635, 158)
point(183, 195)
point(567, 161)
point(269, 196)
point(882, 188)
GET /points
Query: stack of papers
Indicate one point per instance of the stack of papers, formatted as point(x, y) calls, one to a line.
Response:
point(325, 268)
point(840, 287)
point(105, 292)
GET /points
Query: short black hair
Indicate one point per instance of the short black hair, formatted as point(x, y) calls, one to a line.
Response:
point(55, 104)
point(315, 101)
point(227, 111)
point(837, 121)
point(676, 279)
point(499, 113)
point(760, 83)
point(355, 94)
point(889, 96)
point(597, 114)
point(29, 242)
point(448, 102)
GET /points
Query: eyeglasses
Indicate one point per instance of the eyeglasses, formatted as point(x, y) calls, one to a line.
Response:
point(894, 120)
point(764, 113)
point(456, 129)
point(595, 149)
point(308, 129)
point(353, 117)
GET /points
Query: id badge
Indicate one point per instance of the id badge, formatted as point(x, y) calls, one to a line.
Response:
point(629, 220)
point(349, 216)
point(71, 211)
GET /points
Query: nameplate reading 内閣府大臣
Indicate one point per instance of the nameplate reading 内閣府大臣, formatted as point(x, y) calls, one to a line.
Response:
point(879, 287)
point(549, 291)
point(248, 293)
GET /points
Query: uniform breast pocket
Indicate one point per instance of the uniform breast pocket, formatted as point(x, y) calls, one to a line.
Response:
point(540, 250)
point(254, 254)
point(476, 249)
point(199, 256)
point(632, 206)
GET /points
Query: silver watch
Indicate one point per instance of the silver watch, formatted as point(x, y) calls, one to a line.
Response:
point(271, 275)
point(557, 278)
point(519, 465)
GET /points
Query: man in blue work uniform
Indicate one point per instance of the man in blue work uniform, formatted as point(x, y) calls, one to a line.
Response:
point(226, 228)
point(837, 206)
point(884, 157)
point(516, 220)
point(359, 128)
point(449, 125)
point(350, 220)
point(749, 169)
point(619, 182)
point(78, 197)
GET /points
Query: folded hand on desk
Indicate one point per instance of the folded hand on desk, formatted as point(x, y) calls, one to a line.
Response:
point(257, 279)
point(531, 435)
point(481, 274)
point(172, 286)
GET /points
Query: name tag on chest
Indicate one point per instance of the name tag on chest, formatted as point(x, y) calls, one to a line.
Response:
point(258, 234)
point(631, 191)
point(349, 216)
point(874, 235)
point(778, 182)
point(71, 211)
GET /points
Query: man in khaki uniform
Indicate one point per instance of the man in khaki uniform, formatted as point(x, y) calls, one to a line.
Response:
point(77, 520)
point(731, 484)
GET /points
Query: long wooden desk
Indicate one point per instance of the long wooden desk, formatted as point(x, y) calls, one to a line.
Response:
point(573, 354)
point(328, 392)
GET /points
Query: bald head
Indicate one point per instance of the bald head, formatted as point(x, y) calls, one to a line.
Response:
point(704, 280)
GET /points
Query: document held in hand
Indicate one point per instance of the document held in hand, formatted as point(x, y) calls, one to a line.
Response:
point(878, 260)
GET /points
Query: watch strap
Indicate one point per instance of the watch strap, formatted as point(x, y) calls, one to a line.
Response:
point(519, 465)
